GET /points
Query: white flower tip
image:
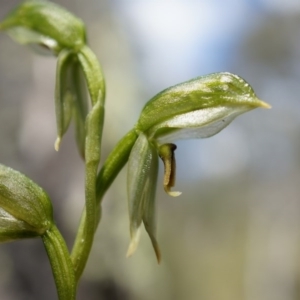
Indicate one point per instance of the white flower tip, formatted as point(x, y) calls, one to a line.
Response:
point(264, 104)
point(172, 193)
point(57, 143)
point(133, 243)
point(131, 249)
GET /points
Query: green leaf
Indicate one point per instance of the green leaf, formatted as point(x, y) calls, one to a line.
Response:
point(45, 23)
point(25, 208)
point(149, 216)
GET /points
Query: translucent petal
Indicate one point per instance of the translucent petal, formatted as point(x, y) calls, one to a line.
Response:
point(26, 36)
point(205, 92)
point(149, 216)
point(202, 123)
point(141, 182)
point(64, 98)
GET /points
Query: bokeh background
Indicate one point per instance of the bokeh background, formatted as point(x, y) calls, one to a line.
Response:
point(234, 233)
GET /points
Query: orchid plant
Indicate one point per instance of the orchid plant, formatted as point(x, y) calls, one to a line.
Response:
point(198, 108)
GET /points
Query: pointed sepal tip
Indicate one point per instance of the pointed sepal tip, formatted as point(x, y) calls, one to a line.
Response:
point(135, 238)
point(263, 104)
point(57, 144)
point(135, 241)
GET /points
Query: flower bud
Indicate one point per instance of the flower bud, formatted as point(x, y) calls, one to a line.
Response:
point(25, 208)
point(46, 24)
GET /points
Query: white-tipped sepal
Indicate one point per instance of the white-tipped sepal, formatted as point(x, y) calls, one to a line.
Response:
point(141, 187)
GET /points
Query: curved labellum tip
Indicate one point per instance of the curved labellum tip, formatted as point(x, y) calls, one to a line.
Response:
point(172, 193)
point(166, 153)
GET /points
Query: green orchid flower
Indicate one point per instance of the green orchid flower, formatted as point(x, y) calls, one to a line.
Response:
point(45, 24)
point(198, 108)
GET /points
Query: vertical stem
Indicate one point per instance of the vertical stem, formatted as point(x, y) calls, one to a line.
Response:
point(112, 166)
point(92, 156)
point(94, 127)
point(61, 264)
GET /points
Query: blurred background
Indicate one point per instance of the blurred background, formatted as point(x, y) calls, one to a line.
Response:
point(235, 231)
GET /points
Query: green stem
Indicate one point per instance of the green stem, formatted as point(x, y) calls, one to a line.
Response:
point(115, 163)
point(61, 264)
point(92, 157)
point(111, 168)
point(94, 127)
